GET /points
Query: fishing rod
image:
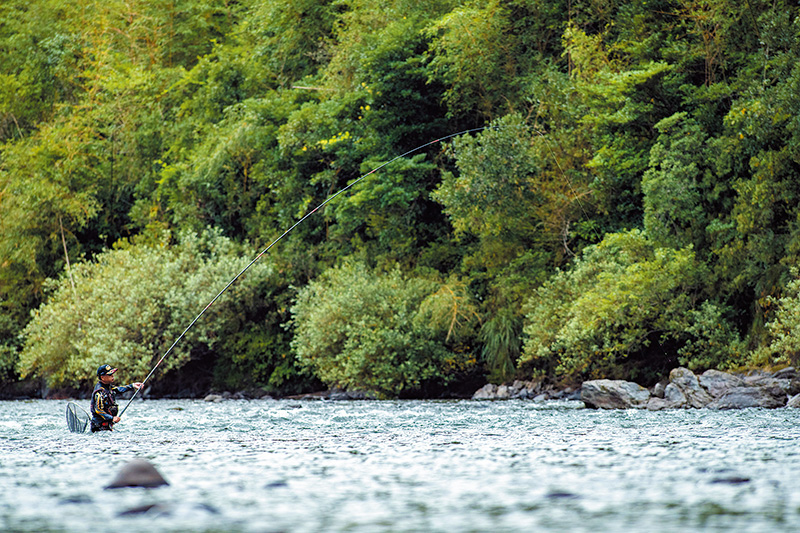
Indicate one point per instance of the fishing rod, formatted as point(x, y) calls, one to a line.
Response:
point(273, 243)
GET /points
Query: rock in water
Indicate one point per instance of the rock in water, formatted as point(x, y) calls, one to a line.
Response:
point(685, 380)
point(614, 394)
point(718, 383)
point(794, 401)
point(744, 397)
point(137, 473)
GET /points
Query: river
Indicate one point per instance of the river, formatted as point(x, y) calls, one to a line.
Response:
point(402, 466)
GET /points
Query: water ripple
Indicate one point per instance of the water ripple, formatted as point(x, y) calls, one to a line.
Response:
point(259, 466)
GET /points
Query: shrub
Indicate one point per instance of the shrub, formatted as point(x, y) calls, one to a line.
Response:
point(130, 304)
point(625, 308)
point(380, 331)
point(783, 329)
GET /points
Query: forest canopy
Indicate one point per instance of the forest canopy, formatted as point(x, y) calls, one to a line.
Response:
point(625, 197)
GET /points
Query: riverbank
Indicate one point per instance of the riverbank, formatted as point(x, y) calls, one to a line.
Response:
point(684, 389)
point(713, 389)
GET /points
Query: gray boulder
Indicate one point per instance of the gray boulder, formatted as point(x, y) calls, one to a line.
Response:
point(685, 380)
point(768, 397)
point(137, 473)
point(790, 385)
point(718, 383)
point(786, 373)
point(614, 394)
point(487, 392)
point(658, 404)
point(674, 396)
point(794, 401)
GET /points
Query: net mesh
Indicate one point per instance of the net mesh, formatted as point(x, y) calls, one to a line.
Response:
point(77, 418)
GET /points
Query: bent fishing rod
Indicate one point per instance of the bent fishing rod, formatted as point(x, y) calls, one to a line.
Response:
point(284, 234)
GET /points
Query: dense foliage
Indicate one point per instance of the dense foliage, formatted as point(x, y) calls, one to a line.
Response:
point(379, 331)
point(628, 198)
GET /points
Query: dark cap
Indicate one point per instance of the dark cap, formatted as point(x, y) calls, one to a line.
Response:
point(105, 370)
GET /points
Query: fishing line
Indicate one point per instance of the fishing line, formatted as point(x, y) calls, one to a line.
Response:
point(273, 243)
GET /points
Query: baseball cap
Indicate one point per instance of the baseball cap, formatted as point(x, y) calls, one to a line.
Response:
point(105, 370)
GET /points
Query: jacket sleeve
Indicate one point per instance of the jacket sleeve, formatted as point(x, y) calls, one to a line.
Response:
point(99, 407)
point(123, 389)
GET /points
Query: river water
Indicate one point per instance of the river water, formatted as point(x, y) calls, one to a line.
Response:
point(449, 466)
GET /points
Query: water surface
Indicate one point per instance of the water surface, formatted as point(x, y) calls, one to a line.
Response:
point(268, 466)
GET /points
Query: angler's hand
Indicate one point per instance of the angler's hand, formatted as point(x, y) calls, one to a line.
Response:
point(137, 385)
point(116, 419)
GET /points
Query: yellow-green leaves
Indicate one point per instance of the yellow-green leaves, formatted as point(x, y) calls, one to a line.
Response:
point(381, 331)
point(131, 304)
point(626, 306)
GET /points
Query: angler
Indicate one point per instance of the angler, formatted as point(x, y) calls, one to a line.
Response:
point(104, 405)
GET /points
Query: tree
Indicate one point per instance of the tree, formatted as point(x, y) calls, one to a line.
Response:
point(675, 214)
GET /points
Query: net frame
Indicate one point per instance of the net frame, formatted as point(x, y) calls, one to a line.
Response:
point(77, 418)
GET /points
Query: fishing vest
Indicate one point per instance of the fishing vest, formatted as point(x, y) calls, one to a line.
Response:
point(103, 403)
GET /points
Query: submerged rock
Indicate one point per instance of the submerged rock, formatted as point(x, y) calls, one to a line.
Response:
point(137, 473)
point(154, 508)
point(614, 394)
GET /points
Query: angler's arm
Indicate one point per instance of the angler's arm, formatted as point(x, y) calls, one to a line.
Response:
point(125, 388)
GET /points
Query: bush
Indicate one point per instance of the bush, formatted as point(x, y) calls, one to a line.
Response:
point(626, 308)
point(380, 331)
point(783, 329)
point(129, 305)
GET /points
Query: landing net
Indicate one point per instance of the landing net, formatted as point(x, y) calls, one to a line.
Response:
point(77, 418)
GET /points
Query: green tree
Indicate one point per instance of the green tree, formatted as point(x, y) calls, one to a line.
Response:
point(783, 341)
point(675, 213)
point(626, 309)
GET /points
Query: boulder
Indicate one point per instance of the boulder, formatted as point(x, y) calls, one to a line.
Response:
point(674, 396)
point(786, 373)
point(487, 392)
point(689, 385)
point(718, 383)
point(658, 404)
point(614, 394)
point(137, 473)
point(794, 401)
point(790, 385)
point(769, 397)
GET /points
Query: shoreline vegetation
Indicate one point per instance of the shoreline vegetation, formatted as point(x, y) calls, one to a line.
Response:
point(712, 389)
point(622, 199)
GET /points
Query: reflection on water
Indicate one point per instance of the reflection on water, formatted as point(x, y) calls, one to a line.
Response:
point(265, 466)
